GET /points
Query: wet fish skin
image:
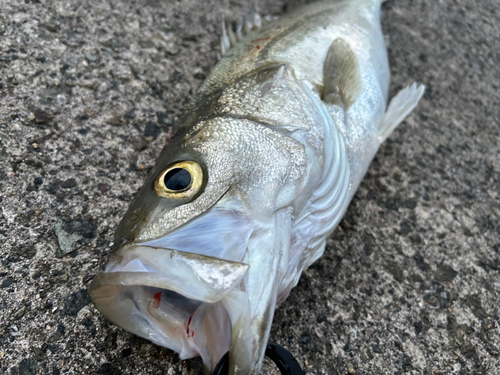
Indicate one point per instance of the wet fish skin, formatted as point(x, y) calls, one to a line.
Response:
point(283, 131)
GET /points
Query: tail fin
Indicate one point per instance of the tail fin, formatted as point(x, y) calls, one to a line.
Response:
point(400, 107)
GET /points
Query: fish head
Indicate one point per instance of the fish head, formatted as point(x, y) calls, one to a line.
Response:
point(201, 252)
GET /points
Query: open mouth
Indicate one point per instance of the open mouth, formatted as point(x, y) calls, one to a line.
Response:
point(216, 292)
point(173, 298)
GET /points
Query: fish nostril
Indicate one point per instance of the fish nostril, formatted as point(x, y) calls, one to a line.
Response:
point(122, 241)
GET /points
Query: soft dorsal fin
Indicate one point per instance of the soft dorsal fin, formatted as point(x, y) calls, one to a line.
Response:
point(342, 81)
point(400, 107)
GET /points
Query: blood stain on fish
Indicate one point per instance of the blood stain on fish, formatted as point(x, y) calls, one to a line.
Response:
point(187, 327)
point(157, 300)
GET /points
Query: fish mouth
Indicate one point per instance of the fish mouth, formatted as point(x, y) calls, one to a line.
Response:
point(204, 289)
point(176, 299)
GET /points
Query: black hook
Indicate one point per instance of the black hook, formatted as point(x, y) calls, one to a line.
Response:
point(283, 359)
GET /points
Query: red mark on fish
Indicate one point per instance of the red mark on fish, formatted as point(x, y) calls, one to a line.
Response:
point(188, 332)
point(157, 300)
point(169, 137)
point(258, 47)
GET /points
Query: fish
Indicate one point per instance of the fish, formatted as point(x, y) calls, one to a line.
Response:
point(267, 157)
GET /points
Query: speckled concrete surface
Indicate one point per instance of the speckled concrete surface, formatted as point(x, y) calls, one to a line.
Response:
point(90, 90)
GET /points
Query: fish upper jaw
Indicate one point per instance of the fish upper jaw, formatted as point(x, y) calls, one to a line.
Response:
point(196, 276)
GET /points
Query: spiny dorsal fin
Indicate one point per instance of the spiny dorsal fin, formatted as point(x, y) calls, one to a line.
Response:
point(400, 107)
point(342, 81)
point(245, 25)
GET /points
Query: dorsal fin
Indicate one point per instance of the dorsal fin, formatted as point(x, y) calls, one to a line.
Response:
point(342, 81)
point(251, 22)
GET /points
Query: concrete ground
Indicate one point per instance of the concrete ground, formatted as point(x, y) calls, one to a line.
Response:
point(90, 89)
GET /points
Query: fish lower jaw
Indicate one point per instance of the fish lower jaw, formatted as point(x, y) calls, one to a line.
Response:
point(171, 298)
point(168, 319)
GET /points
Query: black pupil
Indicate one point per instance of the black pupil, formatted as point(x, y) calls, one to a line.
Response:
point(177, 179)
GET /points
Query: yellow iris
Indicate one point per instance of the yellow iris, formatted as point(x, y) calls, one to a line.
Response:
point(179, 180)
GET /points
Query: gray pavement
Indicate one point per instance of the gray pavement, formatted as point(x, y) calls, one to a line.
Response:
point(90, 90)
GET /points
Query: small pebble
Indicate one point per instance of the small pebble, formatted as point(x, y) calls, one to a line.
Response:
point(61, 99)
point(69, 183)
point(6, 283)
point(103, 187)
point(90, 57)
point(41, 117)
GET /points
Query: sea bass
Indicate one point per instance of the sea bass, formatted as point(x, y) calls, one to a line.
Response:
point(270, 152)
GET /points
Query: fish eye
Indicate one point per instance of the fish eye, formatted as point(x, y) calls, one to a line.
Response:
point(179, 180)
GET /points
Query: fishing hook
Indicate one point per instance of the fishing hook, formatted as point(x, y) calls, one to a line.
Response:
point(283, 359)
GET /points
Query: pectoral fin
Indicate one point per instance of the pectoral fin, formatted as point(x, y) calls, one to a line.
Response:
point(342, 81)
point(400, 107)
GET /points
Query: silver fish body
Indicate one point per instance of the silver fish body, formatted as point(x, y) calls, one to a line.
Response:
point(272, 149)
